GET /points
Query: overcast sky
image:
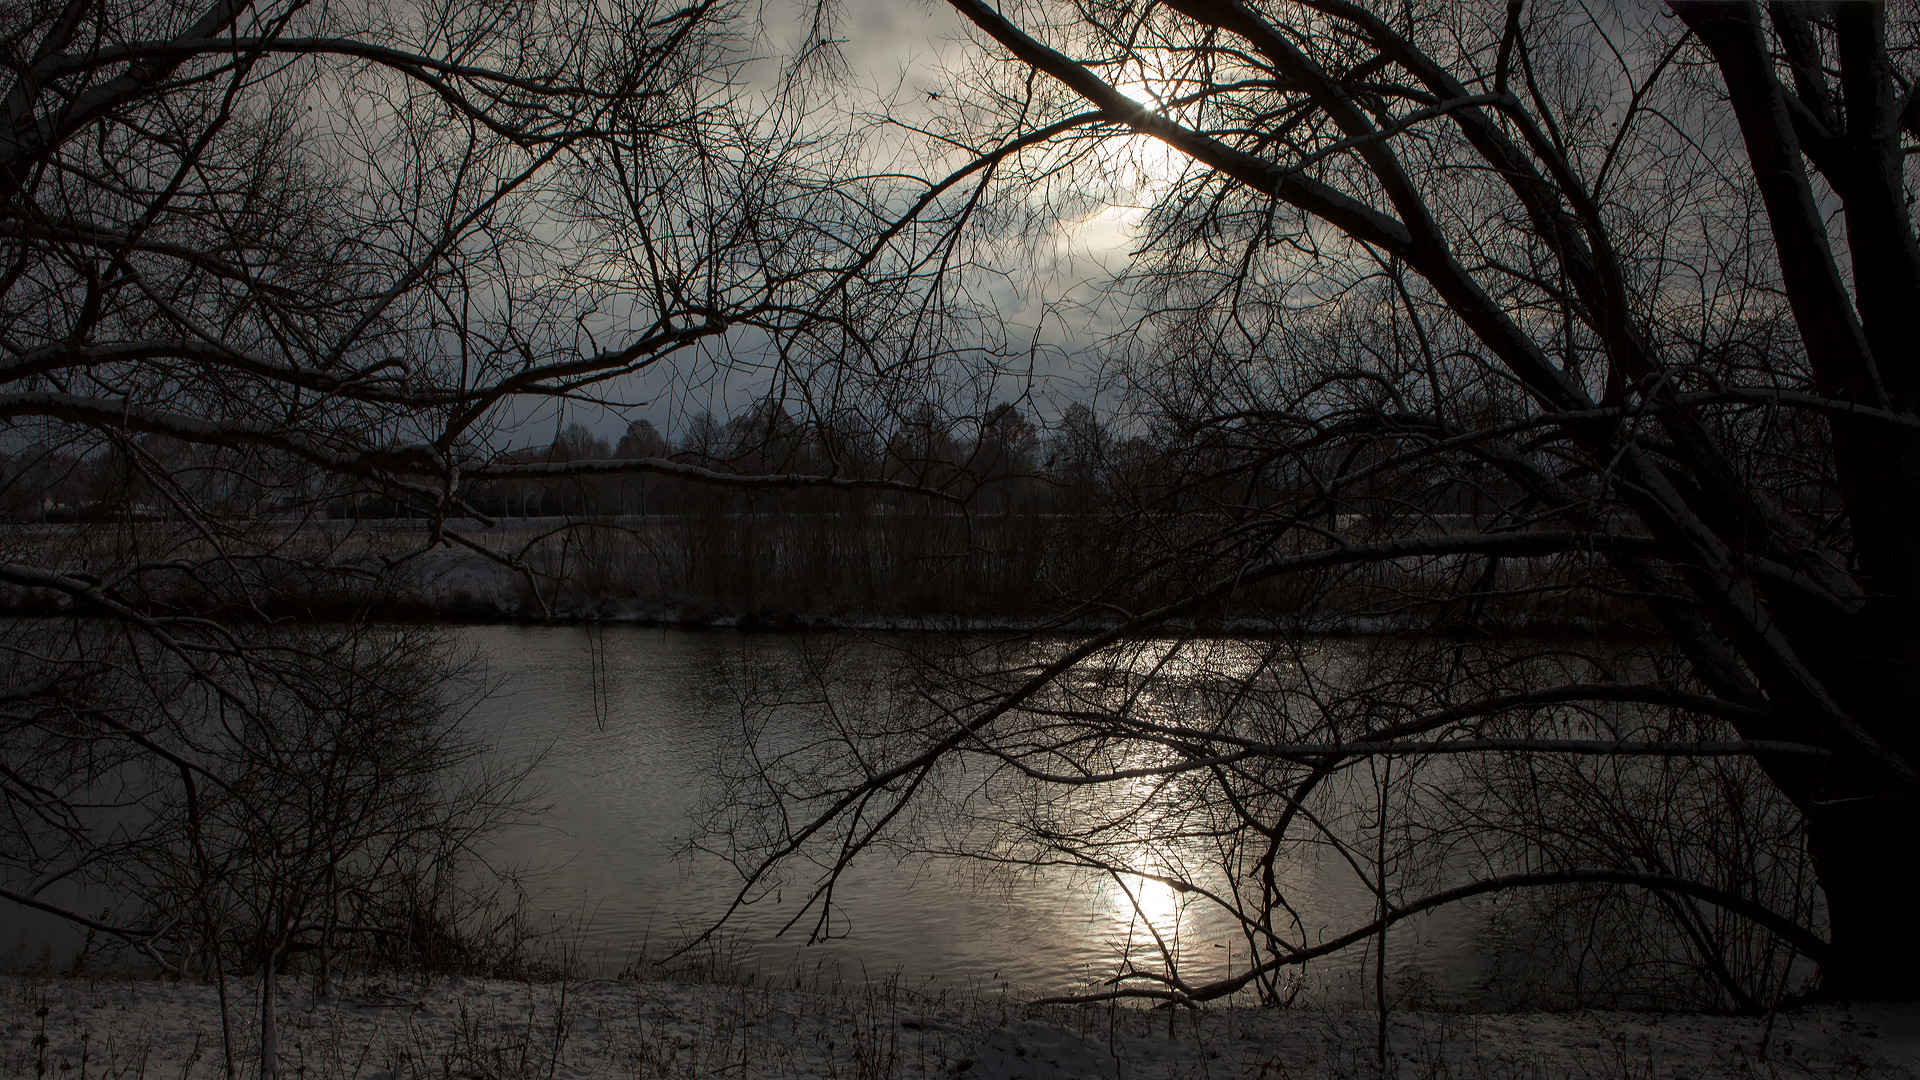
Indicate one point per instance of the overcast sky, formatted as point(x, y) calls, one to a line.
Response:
point(897, 52)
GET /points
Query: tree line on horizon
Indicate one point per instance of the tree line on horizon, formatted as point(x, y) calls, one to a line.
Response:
point(998, 461)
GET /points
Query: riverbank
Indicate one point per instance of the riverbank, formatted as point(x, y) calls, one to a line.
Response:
point(374, 1029)
point(782, 572)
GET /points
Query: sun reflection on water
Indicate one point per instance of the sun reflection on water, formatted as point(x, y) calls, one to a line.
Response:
point(1144, 916)
point(1157, 904)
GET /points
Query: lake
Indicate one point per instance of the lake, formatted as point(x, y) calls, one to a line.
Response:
point(633, 722)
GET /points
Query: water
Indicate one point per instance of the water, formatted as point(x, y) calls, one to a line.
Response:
point(632, 723)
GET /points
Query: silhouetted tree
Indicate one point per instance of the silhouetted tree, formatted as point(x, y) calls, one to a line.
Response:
point(1593, 318)
point(263, 263)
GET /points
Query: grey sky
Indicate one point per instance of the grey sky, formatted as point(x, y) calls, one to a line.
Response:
point(893, 54)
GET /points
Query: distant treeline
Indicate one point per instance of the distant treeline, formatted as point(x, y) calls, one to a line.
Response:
point(997, 462)
point(989, 519)
point(1000, 461)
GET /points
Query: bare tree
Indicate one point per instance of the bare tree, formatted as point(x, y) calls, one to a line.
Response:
point(260, 257)
point(1459, 321)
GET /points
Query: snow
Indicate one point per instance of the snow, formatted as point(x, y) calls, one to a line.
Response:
point(1033, 1051)
point(77, 1029)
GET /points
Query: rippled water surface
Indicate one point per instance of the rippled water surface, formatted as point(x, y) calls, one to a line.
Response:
point(628, 744)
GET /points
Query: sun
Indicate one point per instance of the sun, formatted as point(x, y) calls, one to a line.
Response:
point(1153, 165)
point(1132, 173)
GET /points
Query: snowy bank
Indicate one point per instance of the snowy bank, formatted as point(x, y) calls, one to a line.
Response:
point(73, 1029)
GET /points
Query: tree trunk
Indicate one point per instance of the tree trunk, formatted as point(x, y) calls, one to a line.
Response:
point(1864, 853)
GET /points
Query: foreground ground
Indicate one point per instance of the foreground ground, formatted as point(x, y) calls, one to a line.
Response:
point(70, 1029)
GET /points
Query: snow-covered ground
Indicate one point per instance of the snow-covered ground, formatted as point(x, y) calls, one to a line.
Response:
point(72, 1029)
